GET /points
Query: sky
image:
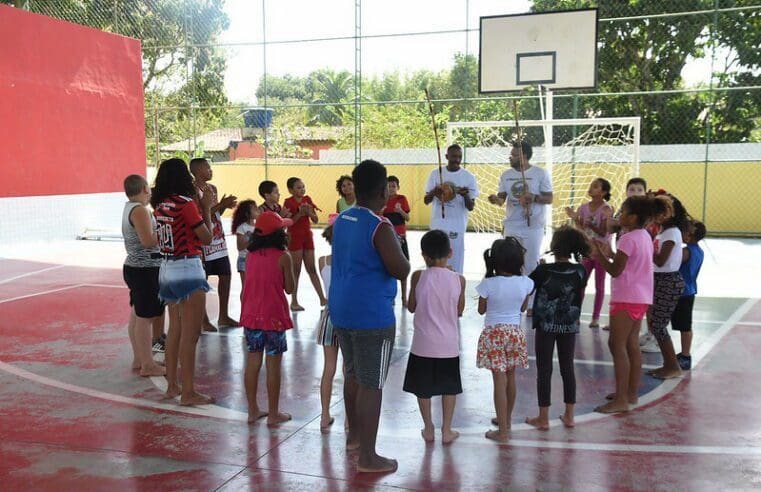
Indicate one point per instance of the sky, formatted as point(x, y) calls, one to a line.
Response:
point(310, 19)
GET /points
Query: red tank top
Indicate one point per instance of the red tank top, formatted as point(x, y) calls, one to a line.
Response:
point(264, 304)
point(176, 217)
point(302, 226)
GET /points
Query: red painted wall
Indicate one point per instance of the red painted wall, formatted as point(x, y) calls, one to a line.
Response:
point(71, 107)
point(243, 150)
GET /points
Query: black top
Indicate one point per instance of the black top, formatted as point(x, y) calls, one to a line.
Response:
point(559, 292)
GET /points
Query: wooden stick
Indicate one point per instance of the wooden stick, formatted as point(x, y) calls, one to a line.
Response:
point(522, 162)
point(438, 147)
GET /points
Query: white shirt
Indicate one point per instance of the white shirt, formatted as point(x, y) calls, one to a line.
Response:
point(455, 212)
point(674, 261)
point(511, 182)
point(245, 229)
point(505, 298)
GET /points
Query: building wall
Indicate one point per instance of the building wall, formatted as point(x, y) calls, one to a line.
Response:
point(246, 150)
point(731, 188)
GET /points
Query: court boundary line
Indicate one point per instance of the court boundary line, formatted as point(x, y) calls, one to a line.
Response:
point(29, 274)
point(223, 413)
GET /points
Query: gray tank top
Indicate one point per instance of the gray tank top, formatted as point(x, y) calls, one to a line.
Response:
point(137, 255)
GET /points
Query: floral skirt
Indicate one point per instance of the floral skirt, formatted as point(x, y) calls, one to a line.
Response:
point(502, 347)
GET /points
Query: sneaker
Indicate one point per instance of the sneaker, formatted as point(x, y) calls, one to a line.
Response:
point(646, 338)
point(651, 346)
point(685, 361)
point(159, 345)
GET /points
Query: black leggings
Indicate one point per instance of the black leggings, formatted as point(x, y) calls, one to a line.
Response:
point(544, 345)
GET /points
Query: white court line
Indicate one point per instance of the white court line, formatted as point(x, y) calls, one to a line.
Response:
point(68, 287)
point(469, 434)
point(29, 274)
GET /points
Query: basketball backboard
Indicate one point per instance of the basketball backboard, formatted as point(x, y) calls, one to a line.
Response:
point(555, 49)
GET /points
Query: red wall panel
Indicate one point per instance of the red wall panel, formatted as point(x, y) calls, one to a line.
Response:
point(71, 107)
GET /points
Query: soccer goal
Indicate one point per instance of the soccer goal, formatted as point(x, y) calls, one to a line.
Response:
point(584, 149)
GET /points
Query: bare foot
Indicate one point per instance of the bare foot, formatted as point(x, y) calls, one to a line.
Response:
point(255, 415)
point(172, 391)
point(612, 407)
point(664, 373)
point(428, 434)
point(538, 422)
point(325, 424)
point(568, 420)
point(196, 398)
point(494, 435)
point(278, 418)
point(612, 396)
point(377, 464)
point(209, 327)
point(227, 322)
point(653, 371)
point(297, 307)
point(136, 365)
point(495, 423)
point(447, 437)
point(152, 370)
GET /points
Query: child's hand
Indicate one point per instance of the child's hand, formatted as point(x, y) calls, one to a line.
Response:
point(228, 201)
point(570, 212)
point(305, 209)
point(398, 208)
point(285, 213)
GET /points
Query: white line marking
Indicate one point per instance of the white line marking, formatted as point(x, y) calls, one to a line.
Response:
point(106, 286)
point(750, 323)
point(68, 287)
point(29, 274)
point(704, 348)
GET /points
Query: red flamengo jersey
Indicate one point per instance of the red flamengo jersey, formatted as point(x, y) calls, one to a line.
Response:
point(302, 225)
point(177, 216)
point(395, 217)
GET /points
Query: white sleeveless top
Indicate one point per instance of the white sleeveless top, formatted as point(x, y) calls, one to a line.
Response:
point(325, 274)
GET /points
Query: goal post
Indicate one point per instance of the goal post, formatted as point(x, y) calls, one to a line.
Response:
point(585, 149)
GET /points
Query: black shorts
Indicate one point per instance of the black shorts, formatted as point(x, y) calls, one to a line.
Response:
point(143, 286)
point(428, 376)
point(219, 267)
point(405, 249)
point(367, 354)
point(681, 320)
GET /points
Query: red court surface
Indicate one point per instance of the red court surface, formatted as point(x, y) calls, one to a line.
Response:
point(74, 416)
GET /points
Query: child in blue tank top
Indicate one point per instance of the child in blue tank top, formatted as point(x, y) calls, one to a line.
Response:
point(692, 260)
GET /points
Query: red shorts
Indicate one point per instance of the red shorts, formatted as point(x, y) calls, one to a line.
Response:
point(635, 311)
point(300, 240)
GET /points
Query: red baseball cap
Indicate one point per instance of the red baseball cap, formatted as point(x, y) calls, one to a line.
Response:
point(269, 222)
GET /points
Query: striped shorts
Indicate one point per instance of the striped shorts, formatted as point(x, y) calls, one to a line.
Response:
point(367, 354)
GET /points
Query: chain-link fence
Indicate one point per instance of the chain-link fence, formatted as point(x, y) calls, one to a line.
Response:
point(273, 84)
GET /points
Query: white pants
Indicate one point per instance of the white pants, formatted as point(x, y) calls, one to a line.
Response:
point(531, 239)
point(457, 243)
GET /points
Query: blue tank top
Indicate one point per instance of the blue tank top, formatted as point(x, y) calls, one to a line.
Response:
point(690, 269)
point(361, 290)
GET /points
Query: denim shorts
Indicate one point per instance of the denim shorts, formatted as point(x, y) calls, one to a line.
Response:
point(178, 279)
point(241, 264)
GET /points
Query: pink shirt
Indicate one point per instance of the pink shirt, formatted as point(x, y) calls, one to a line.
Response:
point(264, 305)
point(598, 217)
point(635, 283)
point(437, 333)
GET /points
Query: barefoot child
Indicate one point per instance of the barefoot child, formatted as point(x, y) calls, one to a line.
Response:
point(692, 260)
point(557, 308)
point(264, 312)
point(437, 297)
point(182, 229)
point(631, 269)
point(668, 284)
point(301, 243)
point(503, 295)
point(244, 219)
point(345, 188)
point(141, 273)
point(592, 217)
point(326, 336)
point(397, 211)
point(366, 263)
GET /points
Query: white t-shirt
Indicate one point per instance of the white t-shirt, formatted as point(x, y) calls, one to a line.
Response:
point(455, 212)
point(505, 297)
point(674, 260)
point(244, 229)
point(511, 182)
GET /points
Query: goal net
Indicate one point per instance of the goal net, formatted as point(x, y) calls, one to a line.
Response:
point(583, 150)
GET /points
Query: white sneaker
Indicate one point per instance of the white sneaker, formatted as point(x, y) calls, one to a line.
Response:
point(651, 346)
point(646, 338)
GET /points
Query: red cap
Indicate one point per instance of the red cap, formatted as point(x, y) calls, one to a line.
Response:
point(269, 222)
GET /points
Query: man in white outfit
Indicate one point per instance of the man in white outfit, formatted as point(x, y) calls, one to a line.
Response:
point(459, 192)
point(523, 203)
